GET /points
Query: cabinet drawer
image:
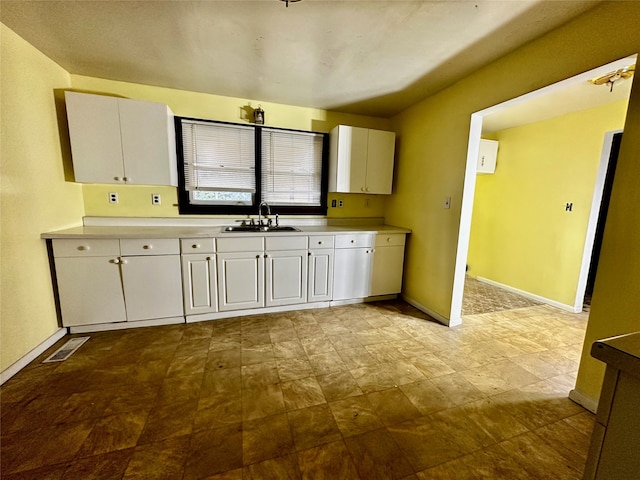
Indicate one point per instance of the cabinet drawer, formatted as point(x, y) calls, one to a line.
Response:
point(146, 246)
point(90, 247)
point(198, 245)
point(321, 241)
point(286, 243)
point(244, 244)
point(354, 240)
point(383, 239)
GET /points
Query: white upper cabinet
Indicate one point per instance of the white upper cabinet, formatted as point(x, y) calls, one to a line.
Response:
point(487, 156)
point(119, 140)
point(361, 160)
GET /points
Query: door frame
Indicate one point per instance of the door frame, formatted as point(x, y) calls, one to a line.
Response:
point(468, 194)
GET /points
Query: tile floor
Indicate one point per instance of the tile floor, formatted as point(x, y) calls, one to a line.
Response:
point(370, 391)
point(481, 297)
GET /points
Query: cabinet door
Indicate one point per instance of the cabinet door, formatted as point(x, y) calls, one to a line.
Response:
point(152, 287)
point(352, 273)
point(286, 278)
point(348, 159)
point(380, 151)
point(90, 290)
point(94, 131)
point(240, 280)
point(320, 275)
point(145, 143)
point(386, 278)
point(199, 284)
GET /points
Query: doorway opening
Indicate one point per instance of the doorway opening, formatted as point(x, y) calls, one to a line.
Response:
point(548, 99)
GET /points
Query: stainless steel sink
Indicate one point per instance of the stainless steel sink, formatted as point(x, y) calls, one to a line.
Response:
point(258, 228)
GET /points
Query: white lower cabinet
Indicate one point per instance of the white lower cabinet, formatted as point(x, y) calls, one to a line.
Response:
point(199, 275)
point(388, 260)
point(152, 287)
point(90, 290)
point(199, 284)
point(109, 281)
point(352, 271)
point(240, 280)
point(286, 277)
point(321, 256)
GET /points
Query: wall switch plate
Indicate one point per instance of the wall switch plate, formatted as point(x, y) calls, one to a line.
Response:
point(155, 199)
point(113, 197)
point(333, 203)
point(447, 202)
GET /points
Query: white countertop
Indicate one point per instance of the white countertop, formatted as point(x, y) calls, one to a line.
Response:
point(622, 352)
point(209, 231)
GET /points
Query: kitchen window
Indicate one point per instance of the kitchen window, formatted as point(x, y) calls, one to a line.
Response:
point(227, 168)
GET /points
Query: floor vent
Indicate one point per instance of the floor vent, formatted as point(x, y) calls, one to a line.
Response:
point(66, 350)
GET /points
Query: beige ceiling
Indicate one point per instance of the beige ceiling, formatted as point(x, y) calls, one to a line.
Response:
point(367, 57)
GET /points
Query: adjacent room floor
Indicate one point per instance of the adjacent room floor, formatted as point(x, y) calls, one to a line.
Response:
point(482, 297)
point(365, 391)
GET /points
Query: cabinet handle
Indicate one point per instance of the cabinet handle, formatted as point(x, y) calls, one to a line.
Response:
point(209, 259)
point(320, 242)
point(310, 253)
point(117, 179)
point(84, 248)
point(126, 179)
point(362, 189)
point(266, 256)
point(147, 247)
point(366, 189)
point(257, 256)
point(195, 245)
point(114, 261)
point(373, 250)
point(353, 241)
point(388, 239)
point(123, 261)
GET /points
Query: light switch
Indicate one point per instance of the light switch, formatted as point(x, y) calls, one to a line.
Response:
point(447, 202)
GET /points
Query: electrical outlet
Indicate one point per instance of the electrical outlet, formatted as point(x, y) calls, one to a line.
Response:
point(340, 203)
point(155, 199)
point(113, 197)
point(447, 202)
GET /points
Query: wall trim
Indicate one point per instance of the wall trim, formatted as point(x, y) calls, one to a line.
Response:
point(532, 296)
point(10, 371)
point(435, 315)
point(583, 400)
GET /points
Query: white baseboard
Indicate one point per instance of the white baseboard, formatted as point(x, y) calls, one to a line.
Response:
point(584, 400)
point(440, 318)
point(532, 296)
point(203, 317)
point(10, 371)
point(105, 327)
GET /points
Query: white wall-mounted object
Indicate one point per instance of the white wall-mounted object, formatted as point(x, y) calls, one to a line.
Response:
point(487, 156)
point(121, 141)
point(361, 160)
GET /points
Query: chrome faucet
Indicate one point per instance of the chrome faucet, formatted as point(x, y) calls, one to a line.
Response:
point(263, 203)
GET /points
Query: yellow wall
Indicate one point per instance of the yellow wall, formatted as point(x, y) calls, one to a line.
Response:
point(136, 201)
point(521, 235)
point(35, 197)
point(433, 137)
point(615, 306)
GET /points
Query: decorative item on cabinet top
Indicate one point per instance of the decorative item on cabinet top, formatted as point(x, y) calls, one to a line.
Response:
point(361, 160)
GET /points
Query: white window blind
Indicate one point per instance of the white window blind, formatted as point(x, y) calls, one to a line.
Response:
point(218, 157)
point(291, 167)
